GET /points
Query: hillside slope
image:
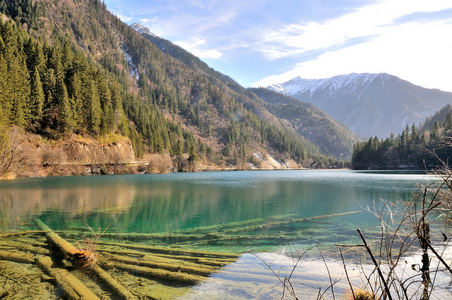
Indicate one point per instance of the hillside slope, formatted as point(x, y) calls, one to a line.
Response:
point(310, 122)
point(98, 76)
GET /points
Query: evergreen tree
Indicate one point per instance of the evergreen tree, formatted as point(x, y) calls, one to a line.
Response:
point(92, 106)
point(75, 93)
point(36, 98)
point(435, 135)
point(19, 82)
point(414, 137)
point(179, 149)
point(5, 96)
point(65, 117)
point(448, 122)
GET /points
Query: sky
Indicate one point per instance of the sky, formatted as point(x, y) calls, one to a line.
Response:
point(262, 42)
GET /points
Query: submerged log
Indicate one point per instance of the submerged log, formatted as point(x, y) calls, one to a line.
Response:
point(161, 274)
point(71, 251)
point(161, 258)
point(112, 283)
point(2, 235)
point(285, 222)
point(61, 243)
point(222, 227)
point(25, 247)
point(162, 266)
point(201, 260)
point(17, 257)
point(208, 254)
point(70, 285)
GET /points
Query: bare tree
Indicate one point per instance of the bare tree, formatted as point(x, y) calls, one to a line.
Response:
point(10, 150)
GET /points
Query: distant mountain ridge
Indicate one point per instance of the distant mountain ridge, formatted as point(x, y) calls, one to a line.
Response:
point(311, 123)
point(369, 104)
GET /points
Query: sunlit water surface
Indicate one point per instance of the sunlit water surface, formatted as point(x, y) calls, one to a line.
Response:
point(185, 202)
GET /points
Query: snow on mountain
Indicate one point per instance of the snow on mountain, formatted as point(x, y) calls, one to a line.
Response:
point(141, 28)
point(332, 85)
point(369, 104)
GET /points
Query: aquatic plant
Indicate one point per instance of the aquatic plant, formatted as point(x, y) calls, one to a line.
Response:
point(404, 254)
point(86, 255)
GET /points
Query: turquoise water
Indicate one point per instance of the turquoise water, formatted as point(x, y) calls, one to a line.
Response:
point(267, 216)
point(181, 202)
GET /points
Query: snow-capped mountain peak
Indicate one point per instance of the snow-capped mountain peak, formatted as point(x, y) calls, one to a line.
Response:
point(141, 28)
point(331, 85)
point(369, 104)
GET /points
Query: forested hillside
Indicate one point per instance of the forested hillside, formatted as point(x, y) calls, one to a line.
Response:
point(310, 122)
point(71, 68)
point(424, 148)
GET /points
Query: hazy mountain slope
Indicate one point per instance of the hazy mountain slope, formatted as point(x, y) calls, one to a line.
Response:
point(439, 116)
point(170, 107)
point(249, 100)
point(369, 104)
point(310, 122)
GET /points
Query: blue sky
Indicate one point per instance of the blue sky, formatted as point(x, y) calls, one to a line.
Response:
point(260, 42)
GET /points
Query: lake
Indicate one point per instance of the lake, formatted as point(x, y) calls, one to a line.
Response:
point(262, 215)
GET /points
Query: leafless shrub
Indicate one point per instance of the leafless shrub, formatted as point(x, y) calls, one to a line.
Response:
point(51, 156)
point(405, 229)
point(405, 253)
point(117, 159)
point(10, 149)
point(180, 164)
point(160, 164)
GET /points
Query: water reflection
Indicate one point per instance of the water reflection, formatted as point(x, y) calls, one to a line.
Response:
point(166, 203)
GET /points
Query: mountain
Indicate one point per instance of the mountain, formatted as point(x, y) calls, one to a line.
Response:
point(310, 122)
point(307, 120)
point(141, 28)
point(79, 71)
point(440, 116)
point(369, 104)
point(426, 147)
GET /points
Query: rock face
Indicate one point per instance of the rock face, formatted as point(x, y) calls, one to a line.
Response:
point(369, 104)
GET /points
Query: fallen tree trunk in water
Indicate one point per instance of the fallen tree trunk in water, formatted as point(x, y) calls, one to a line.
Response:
point(25, 247)
point(226, 257)
point(162, 266)
point(162, 274)
point(71, 251)
point(17, 257)
point(61, 243)
point(70, 285)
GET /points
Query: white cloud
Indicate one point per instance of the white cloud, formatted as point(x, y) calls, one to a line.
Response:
point(146, 20)
point(123, 18)
point(420, 53)
point(196, 48)
point(367, 21)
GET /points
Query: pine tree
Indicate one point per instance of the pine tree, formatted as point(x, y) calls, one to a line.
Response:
point(20, 92)
point(105, 103)
point(66, 120)
point(179, 149)
point(92, 106)
point(448, 122)
point(5, 96)
point(414, 136)
point(75, 93)
point(435, 135)
point(36, 98)
point(38, 60)
point(67, 55)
